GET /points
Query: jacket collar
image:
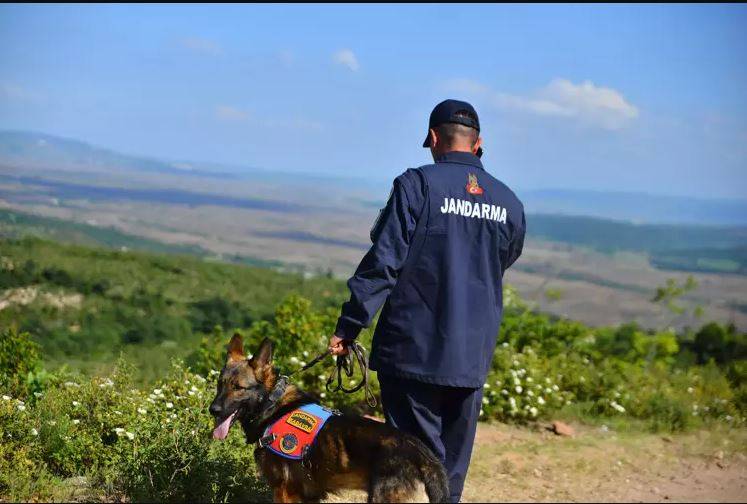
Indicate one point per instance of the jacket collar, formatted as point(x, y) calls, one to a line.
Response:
point(460, 157)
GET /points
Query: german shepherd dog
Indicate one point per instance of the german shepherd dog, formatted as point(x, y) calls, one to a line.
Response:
point(350, 452)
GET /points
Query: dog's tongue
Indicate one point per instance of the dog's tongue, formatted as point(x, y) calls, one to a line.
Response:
point(221, 431)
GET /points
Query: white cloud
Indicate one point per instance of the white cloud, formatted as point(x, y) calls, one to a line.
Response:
point(202, 45)
point(286, 58)
point(18, 94)
point(230, 114)
point(595, 105)
point(347, 58)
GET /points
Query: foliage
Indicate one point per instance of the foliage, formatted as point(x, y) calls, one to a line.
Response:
point(125, 440)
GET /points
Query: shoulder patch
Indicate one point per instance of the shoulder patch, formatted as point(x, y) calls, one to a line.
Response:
point(472, 186)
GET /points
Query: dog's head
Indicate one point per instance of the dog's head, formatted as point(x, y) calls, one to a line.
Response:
point(243, 385)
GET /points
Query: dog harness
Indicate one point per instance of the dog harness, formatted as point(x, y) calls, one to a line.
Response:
point(294, 433)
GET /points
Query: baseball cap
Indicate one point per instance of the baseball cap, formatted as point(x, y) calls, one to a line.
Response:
point(446, 112)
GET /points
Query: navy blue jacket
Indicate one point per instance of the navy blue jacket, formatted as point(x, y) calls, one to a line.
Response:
point(440, 248)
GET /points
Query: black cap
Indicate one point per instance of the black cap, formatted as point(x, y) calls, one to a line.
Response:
point(446, 112)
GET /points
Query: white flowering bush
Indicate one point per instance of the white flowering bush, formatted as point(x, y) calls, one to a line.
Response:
point(148, 444)
point(520, 388)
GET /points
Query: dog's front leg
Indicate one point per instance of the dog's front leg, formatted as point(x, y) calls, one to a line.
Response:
point(283, 494)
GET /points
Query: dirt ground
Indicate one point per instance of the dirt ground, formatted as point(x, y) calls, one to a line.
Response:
point(512, 464)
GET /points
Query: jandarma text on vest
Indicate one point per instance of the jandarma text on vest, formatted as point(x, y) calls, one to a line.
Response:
point(469, 209)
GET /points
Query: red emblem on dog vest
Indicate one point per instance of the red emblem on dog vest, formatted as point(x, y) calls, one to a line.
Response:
point(472, 186)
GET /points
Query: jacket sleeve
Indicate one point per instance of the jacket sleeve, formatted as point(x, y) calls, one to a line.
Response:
point(516, 245)
point(377, 272)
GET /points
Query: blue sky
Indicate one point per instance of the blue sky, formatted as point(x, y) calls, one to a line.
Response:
point(648, 98)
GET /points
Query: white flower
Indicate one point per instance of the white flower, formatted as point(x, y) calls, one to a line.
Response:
point(34, 432)
point(294, 360)
point(504, 344)
point(52, 422)
point(200, 379)
point(529, 379)
point(38, 394)
point(515, 363)
point(322, 395)
point(305, 353)
point(504, 392)
point(173, 416)
point(130, 435)
point(547, 380)
point(191, 392)
point(193, 388)
point(71, 384)
point(142, 411)
point(76, 404)
point(530, 393)
point(555, 388)
point(302, 363)
point(540, 400)
point(487, 385)
point(690, 390)
point(533, 411)
point(119, 431)
point(512, 402)
point(21, 407)
point(169, 405)
point(498, 383)
point(117, 412)
point(76, 421)
point(481, 412)
point(6, 398)
point(158, 391)
point(213, 372)
point(617, 407)
point(518, 389)
point(485, 400)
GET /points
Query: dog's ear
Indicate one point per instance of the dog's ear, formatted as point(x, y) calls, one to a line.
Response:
point(236, 349)
point(263, 356)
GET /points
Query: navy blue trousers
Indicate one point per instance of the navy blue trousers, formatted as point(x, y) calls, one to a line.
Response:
point(444, 418)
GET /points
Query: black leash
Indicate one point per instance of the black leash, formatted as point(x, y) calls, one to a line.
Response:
point(346, 364)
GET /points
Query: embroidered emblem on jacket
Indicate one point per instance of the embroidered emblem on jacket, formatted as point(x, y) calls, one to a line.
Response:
point(472, 186)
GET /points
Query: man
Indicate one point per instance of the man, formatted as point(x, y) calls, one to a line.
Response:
point(440, 248)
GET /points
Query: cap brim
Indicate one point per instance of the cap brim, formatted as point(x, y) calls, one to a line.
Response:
point(427, 142)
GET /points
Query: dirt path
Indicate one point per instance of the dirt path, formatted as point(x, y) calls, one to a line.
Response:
point(511, 464)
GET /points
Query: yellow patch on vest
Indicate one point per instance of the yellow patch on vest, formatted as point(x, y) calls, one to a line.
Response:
point(302, 421)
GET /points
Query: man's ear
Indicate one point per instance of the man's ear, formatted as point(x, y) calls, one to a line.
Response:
point(477, 146)
point(434, 138)
point(236, 349)
point(263, 356)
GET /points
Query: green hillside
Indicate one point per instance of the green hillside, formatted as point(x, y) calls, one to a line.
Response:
point(86, 305)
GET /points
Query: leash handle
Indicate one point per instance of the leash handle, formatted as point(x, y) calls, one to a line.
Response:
point(346, 364)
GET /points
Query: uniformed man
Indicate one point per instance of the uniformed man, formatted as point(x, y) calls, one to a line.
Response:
point(440, 247)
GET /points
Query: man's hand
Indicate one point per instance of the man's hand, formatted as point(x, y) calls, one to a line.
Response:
point(338, 346)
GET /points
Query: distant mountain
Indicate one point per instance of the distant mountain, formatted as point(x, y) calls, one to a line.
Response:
point(636, 207)
point(21, 148)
